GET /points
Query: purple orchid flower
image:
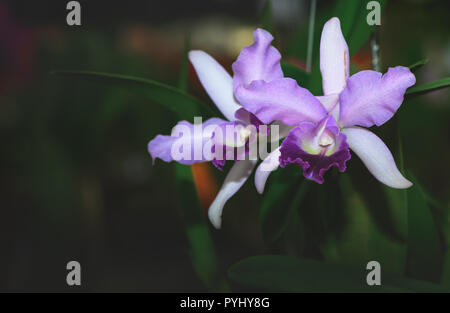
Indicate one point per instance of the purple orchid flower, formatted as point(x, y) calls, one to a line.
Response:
point(259, 61)
point(327, 126)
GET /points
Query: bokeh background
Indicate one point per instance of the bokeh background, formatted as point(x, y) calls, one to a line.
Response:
point(77, 182)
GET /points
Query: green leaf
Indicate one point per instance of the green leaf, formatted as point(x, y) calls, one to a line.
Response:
point(277, 204)
point(428, 87)
point(202, 252)
point(347, 12)
point(290, 274)
point(281, 199)
point(372, 229)
point(396, 198)
point(415, 66)
point(297, 47)
point(446, 272)
point(295, 72)
point(267, 16)
point(360, 30)
point(184, 105)
point(425, 255)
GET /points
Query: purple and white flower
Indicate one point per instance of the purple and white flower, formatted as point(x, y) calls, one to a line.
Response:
point(257, 62)
point(327, 126)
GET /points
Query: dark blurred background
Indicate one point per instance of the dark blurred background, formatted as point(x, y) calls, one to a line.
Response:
point(77, 182)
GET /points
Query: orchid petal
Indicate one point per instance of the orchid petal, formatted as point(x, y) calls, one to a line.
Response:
point(237, 176)
point(334, 58)
point(376, 156)
point(160, 147)
point(371, 98)
point(281, 99)
point(260, 61)
point(270, 164)
point(216, 81)
point(184, 135)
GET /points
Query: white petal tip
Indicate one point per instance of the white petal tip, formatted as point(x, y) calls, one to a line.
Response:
point(260, 189)
point(270, 164)
point(215, 213)
point(215, 220)
point(403, 184)
point(409, 184)
point(193, 54)
point(334, 20)
point(260, 182)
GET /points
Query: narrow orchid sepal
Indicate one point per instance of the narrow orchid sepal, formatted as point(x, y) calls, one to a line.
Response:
point(237, 176)
point(376, 157)
point(270, 164)
point(216, 81)
point(334, 58)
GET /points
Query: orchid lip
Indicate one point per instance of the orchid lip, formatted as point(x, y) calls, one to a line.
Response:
point(316, 148)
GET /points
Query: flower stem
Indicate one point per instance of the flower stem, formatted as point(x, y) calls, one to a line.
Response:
point(312, 20)
point(375, 51)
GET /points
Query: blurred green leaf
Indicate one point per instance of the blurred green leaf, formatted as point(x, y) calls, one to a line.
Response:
point(281, 199)
point(389, 204)
point(202, 253)
point(415, 66)
point(297, 47)
point(369, 231)
point(295, 72)
point(360, 30)
point(329, 202)
point(290, 274)
point(346, 11)
point(428, 87)
point(425, 255)
point(435, 202)
point(446, 272)
point(311, 26)
point(396, 202)
point(267, 16)
point(184, 105)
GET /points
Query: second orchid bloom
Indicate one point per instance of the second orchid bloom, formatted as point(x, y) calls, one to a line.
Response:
point(320, 129)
